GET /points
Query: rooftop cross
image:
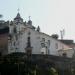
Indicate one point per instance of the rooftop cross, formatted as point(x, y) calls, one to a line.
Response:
point(18, 10)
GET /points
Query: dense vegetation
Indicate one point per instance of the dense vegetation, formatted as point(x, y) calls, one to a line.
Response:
point(14, 65)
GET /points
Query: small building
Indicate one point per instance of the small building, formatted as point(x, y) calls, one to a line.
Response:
point(66, 52)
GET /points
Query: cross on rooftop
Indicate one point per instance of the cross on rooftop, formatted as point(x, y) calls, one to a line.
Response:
point(18, 9)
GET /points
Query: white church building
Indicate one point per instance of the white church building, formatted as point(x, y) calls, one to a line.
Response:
point(24, 34)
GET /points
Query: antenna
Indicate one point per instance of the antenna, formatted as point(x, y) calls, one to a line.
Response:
point(62, 32)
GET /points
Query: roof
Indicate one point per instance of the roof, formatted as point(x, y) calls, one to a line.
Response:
point(68, 42)
point(18, 17)
point(54, 39)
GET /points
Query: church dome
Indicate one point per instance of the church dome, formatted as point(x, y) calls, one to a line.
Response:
point(18, 17)
point(18, 14)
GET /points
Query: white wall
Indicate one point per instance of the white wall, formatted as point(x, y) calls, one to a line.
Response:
point(36, 40)
point(69, 52)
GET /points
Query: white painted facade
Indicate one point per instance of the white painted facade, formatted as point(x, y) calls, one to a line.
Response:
point(68, 52)
point(40, 42)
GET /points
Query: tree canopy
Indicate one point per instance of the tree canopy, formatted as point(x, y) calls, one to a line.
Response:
point(1, 15)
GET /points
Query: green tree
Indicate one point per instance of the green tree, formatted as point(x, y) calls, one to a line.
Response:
point(53, 71)
point(1, 15)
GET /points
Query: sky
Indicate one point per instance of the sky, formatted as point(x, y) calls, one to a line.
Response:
point(51, 15)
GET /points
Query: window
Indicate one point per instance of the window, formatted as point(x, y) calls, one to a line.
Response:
point(56, 45)
point(14, 43)
point(42, 45)
point(64, 54)
point(43, 39)
point(42, 52)
point(49, 42)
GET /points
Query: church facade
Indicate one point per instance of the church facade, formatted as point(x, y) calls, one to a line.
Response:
point(23, 35)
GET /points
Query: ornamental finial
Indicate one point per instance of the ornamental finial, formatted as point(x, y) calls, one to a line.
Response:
point(18, 10)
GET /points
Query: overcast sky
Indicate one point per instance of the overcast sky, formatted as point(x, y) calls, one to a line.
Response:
point(51, 15)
